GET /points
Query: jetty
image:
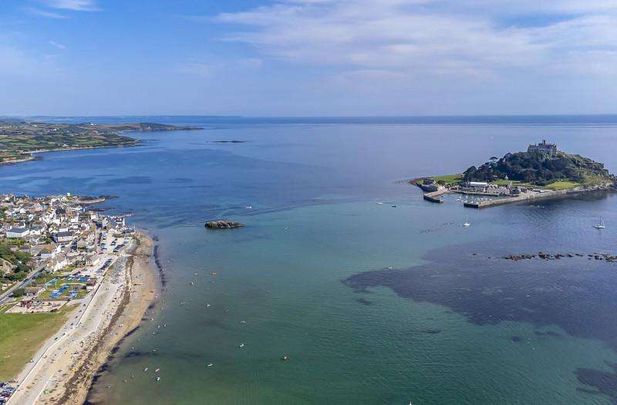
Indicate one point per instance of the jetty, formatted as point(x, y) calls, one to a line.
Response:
point(542, 195)
point(435, 196)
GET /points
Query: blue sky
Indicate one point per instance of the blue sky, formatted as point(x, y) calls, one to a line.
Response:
point(307, 57)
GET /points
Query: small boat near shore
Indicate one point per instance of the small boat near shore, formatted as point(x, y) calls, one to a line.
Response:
point(600, 225)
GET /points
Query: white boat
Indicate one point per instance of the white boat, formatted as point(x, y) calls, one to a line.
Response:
point(466, 224)
point(600, 225)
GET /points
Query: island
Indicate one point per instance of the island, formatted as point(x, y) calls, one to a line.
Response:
point(21, 140)
point(542, 172)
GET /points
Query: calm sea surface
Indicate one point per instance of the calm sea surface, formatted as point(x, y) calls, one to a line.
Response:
point(372, 303)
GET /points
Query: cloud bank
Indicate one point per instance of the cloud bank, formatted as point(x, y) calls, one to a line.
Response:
point(425, 38)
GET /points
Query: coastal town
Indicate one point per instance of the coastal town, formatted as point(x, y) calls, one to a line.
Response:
point(542, 172)
point(56, 253)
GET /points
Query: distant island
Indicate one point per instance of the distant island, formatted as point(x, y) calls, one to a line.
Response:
point(20, 139)
point(542, 172)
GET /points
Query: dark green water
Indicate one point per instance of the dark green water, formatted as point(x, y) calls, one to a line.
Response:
point(441, 326)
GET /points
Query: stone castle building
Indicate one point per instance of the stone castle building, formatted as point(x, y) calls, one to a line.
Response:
point(543, 148)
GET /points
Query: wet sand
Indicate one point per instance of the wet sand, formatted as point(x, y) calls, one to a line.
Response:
point(133, 289)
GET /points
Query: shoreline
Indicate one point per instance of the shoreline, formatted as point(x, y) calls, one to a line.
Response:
point(33, 154)
point(66, 375)
point(529, 196)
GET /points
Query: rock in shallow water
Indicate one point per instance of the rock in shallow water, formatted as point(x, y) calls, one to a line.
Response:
point(223, 224)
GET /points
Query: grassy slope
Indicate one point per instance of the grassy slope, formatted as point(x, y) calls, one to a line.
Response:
point(448, 179)
point(21, 335)
point(563, 185)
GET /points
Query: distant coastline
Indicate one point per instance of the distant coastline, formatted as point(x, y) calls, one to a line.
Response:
point(22, 141)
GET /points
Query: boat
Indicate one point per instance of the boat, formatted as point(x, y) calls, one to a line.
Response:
point(466, 224)
point(600, 225)
point(241, 345)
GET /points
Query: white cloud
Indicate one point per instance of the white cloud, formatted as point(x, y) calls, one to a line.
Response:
point(45, 13)
point(57, 45)
point(15, 62)
point(197, 69)
point(420, 38)
point(74, 5)
point(216, 67)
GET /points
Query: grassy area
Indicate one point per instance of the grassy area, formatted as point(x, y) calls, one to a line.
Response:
point(63, 285)
point(503, 182)
point(47, 294)
point(21, 335)
point(448, 179)
point(562, 185)
point(591, 181)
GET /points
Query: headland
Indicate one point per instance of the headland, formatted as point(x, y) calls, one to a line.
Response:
point(21, 141)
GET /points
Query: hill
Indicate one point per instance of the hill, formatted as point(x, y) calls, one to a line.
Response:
point(541, 165)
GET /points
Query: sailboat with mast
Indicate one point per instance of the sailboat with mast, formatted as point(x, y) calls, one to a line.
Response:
point(600, 225)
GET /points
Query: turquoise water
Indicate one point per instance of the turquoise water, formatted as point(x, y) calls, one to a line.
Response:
point(279, 285)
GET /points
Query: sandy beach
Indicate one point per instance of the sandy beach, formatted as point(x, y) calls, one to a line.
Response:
point(62, 370)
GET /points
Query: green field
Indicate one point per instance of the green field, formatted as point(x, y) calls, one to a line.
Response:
point(21, 335)
point(448, 179)
point(46, 294)
point(562, 185)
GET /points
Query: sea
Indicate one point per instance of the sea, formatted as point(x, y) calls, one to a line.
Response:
point(344, 286)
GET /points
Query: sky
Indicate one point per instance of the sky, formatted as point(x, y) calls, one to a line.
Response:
point(308, 57)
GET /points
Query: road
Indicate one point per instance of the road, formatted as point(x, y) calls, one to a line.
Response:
point(5, 295)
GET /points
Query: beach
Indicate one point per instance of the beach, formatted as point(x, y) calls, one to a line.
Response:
point(62, 370)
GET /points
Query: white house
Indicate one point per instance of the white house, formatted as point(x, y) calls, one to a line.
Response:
point(17, 232)
point(63, 237)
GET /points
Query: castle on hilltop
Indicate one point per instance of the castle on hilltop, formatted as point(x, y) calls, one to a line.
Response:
point(543, 148)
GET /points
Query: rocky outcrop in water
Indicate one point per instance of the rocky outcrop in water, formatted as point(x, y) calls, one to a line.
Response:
point(548, 256)
point(223, 224)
